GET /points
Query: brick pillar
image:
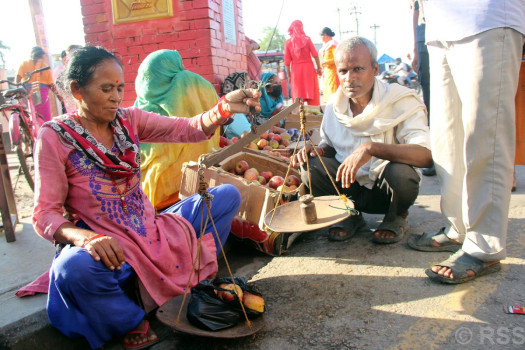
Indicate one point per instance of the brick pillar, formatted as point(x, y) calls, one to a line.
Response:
point(196, 30)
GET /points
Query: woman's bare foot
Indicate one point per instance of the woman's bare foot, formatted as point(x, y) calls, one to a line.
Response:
point(140, 335)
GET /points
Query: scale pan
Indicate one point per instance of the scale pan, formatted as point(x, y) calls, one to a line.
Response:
point(168, 312)
point(288, 216)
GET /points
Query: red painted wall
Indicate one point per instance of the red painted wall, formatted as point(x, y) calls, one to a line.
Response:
point(195, 30)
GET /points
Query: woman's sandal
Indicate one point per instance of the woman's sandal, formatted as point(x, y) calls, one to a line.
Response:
point(399, 226)
point(350, 227)
point(460, 262)
point(144, 345)
point(424, 242)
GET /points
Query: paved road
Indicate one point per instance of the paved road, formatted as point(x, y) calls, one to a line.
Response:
point(359, 295)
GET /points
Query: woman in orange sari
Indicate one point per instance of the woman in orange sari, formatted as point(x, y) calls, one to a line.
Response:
point(298, 53)
point(330, 79)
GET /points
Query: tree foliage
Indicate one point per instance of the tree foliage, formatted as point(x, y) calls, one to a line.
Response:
point(269, 43)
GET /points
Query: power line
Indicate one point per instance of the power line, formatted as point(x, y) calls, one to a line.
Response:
point(374, 27)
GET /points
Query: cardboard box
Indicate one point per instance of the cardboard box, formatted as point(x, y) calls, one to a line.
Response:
point(257, 200)
point(312, 120)
point(315, 136)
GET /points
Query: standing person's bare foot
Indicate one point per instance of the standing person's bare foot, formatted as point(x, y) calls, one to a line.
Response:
point(434, 242)
point(141, 337)
point(461, 267)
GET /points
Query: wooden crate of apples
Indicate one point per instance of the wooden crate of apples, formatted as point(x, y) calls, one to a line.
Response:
point(273, 142)
point(259, 179)
point(265, 177)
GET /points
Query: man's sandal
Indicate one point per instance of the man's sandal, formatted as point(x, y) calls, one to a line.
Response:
point(399, 226)
point(425, 242)
point(460, 262)
point(144, 345)
point(350, 227)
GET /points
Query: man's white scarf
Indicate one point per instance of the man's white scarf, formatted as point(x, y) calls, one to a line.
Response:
point(391, 104)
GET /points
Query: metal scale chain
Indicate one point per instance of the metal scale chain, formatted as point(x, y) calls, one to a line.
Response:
point(206, 203)
point(303, 134)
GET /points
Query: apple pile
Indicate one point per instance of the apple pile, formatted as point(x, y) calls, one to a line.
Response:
point(275, 138)
point(272, 139)
point(242, 168)
point(250, 300)
point(309, 112)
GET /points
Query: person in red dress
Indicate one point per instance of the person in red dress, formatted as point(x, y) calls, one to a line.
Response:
point(298, 53)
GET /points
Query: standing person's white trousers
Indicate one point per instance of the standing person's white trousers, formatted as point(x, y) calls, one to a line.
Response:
point(473, 84)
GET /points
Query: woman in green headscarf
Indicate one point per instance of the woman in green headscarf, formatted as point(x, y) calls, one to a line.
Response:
point(165, 87)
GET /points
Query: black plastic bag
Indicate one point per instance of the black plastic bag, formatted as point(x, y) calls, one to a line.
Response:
point(207, 311)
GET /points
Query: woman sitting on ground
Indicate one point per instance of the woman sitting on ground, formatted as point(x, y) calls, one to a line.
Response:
point(88, 163)
point(271, 96)
point(271, 103)
point(163, 86)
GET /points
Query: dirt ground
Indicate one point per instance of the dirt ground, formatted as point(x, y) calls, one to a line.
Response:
point(23, 193)
point(360, 295)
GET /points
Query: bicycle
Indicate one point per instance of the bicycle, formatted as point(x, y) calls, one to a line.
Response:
point(23, 123)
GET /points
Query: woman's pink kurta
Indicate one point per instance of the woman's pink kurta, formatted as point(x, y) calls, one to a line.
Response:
point(304, 79)
point(160, 248)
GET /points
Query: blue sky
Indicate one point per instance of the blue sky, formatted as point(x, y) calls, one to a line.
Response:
point(64, 22)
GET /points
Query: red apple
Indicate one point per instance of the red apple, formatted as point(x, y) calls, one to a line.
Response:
point(292, 180)
point(276, 137)
point(222, 141)
point(270, 135)
point(235, 139)
point(228, 295)
point(241, 167)
point(285, 142)
point(264, 135)
point(267, 175)
point(232, 170)
point(262, 143)
point(261, 179)
point(251, 175)
point(276, 181)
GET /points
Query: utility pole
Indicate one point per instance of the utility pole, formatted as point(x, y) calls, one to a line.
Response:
point(339, 18)
point(374, 27)
point(356, 14)
point(39, 28)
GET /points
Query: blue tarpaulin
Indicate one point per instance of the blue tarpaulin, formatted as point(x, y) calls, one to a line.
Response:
point(385, 59)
